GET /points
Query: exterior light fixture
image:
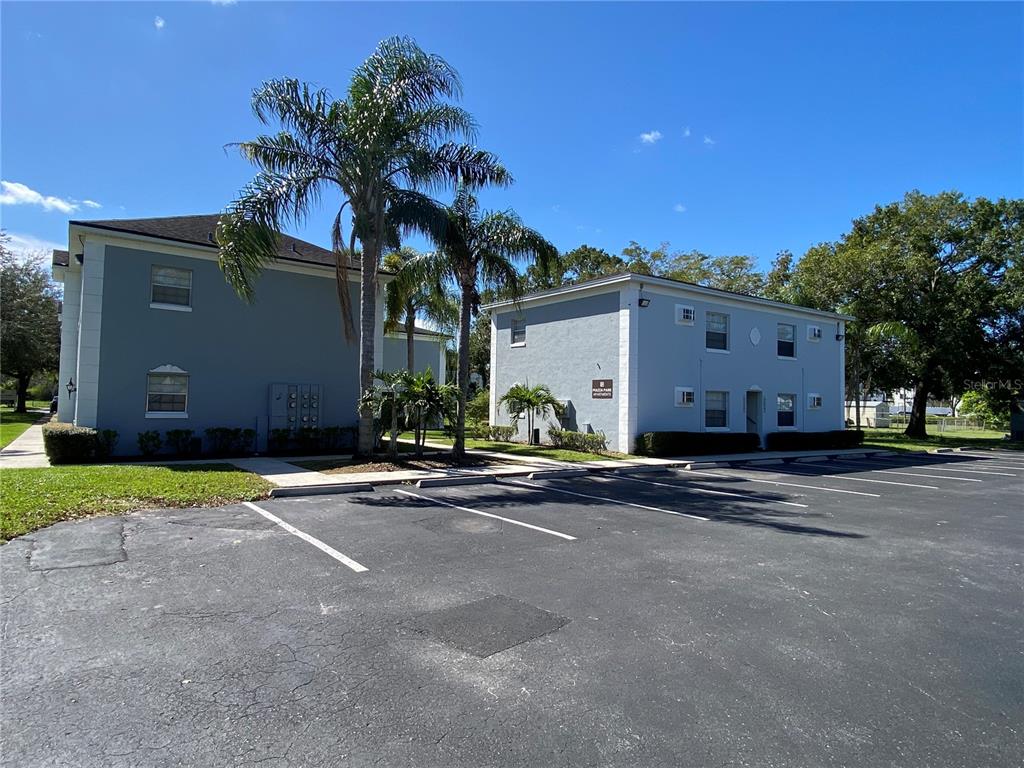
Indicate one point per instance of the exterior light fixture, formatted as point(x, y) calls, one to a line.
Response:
point(71, 386)
point(643, 301)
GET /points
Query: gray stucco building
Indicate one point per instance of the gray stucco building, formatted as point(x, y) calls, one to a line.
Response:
point(153, 338)
point(629, 354)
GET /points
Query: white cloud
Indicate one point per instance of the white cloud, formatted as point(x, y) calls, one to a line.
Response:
point(556, 208)
point(159, 22)
point(686, 132)
point(23, 245)
point(223, 2)
point(709, 141)
point(91, 204)
point(679, 208)
point(650, 137)
point(13, 193)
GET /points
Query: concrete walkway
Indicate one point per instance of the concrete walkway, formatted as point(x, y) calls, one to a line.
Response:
point(26, 450)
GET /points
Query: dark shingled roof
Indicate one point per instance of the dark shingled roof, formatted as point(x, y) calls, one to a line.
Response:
point(199, 230)
point(60, 258)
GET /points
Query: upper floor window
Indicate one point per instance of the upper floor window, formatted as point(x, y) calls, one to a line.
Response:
point(787, 340)
point(814, 333)
point(785, 410)
point(717, 334)
point(716, 409)
point(684, 397)
point(167, 393)
point(684, 314)
point(170, 286)
point(814, 400)
point(518, 330)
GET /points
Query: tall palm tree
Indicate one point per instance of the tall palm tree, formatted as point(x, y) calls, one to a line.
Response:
point(377, 151)
point(413, 292)
point(479, 250)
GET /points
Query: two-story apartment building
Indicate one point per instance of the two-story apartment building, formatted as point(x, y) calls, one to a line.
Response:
point(629, 354)
point(153, 338)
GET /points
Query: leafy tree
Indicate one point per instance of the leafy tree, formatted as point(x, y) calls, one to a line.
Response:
point(481, 248)
point(413, 293)
point(777, 281)
point(728, 273)
point(936, 265)
point(28, 320)
point(480, 347)
point(376, 150)
point(533, 401)
point(575, 266)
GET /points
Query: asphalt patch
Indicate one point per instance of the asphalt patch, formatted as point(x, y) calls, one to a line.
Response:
point(79, 544)
point(489, 626)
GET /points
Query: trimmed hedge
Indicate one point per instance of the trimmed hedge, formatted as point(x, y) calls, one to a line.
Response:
point(68, 444)
point(595, 442)
point(502, 434)
point(813, 441)
point(695, 443)
point(231, 441)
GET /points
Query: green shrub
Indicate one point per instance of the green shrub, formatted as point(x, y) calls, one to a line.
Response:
point(280, 440)
point(106, 441)
point(307, 439)
point(182, 442)
point(594, 442)
point(478, 408)
point(149, 442)
point(68, 444)
point(333, 439)
point(501, 433)
point(230, 441)
point(813, 441)
point(695, 443)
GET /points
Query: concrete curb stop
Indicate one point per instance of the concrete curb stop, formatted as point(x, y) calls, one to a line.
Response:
point(320, 490)
point(811, 459)
point(763, 462)
point(643, 468)
point(440, 482)
point(706, 465)
point(546, 474)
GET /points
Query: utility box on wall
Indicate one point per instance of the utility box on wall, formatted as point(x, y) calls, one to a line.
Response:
point(294, 406)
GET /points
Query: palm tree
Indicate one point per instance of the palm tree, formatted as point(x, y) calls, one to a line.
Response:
point(386, 400)
point(533, 401)
point(481, 249)
point(413, 292)
point(376, 151)
point(426, 402)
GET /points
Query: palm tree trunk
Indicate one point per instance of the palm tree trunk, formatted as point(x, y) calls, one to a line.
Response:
point(367, 336)
point(459, 448)
point(393, 448)
point(410, 337)
point(421, 433)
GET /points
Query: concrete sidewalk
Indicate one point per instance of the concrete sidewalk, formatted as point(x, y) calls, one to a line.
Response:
point(26, 450)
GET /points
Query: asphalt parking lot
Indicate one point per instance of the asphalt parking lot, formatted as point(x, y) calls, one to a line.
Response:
point(856, 613)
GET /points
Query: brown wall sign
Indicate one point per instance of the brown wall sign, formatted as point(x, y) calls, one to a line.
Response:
point(601, 389)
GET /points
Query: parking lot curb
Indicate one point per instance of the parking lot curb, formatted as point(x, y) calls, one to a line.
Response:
point(440, 482)
point(642, 468)
point(320, 490)
point(763, 462)
point(706, 465)
point(811, 459)
point(555, 473)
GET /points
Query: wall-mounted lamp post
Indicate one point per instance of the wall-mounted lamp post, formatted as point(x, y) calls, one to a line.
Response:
point(71, 386)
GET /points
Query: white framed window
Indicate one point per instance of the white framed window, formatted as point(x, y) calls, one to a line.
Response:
point(685, 314)
point(814, 400)
point(814, 333)
point(518, 331)
point(785, 410)
point(716, 334)
point(170, 287)
point(786, 344)
point(684, 397)
point(166, 393)
point(716, 409)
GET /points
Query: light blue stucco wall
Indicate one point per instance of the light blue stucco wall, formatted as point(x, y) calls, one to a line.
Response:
point(671, 355)
point(568, 344)
point(231, 350)
point(426, 354)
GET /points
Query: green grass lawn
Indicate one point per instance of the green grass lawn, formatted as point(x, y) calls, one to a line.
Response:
point(34, 498)
point(895, 440)
point(13, 424)
point(517, 449)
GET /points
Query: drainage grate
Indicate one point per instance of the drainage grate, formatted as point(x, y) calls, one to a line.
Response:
point(488, 626)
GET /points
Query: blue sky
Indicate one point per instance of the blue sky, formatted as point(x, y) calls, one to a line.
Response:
point(730, 128)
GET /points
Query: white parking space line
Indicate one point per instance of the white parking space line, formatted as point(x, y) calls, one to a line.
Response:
point(779, 483)
point(1012, 457)
point(978, 472)
point(909, 474)
point(1000, 466)
point(509, 520)
point(603, 498)
point(864, 479)
point(696, 489)
point(343, 559)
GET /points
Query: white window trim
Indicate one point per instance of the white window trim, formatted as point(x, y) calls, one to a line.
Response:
point(704, 416)
point(728, 331)
point(176, 371)
point(810, 401)
point(693, 397)
point(810, 333)
point(518, 344)
point(693, 314)
point(792, 341)
point(164, 305)
point(717, 429)
point(172, 307)
point(512, 333)
point(718, 351)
